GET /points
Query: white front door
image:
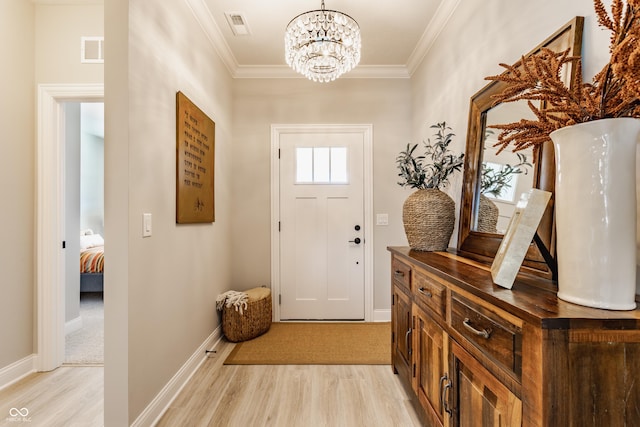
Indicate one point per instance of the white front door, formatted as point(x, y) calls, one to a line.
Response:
point(322, 264)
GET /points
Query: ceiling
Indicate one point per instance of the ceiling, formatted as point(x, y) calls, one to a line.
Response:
point(395, 34)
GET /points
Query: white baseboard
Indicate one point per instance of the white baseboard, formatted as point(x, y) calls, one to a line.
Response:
point(73, 325)
point(152, 413)
point(382, 315)
point(17, 371)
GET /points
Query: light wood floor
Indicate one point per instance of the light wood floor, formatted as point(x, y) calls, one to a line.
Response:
point(290, 395)
point(67, 396)
point(219, 395)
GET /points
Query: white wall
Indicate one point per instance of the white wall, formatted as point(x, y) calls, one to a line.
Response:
point(260, 103)
point(478, 37)
point(160, 291)
point(92, 183)
point(17, 180)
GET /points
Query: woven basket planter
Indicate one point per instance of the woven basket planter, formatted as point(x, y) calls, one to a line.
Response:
point(255, 320)
point(487, 215)
point(428, 217)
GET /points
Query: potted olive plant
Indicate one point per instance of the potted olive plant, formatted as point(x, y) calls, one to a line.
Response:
point(428, 213)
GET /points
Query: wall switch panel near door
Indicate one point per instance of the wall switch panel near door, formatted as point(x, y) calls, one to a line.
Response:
point(382, 219)
point(146, 225)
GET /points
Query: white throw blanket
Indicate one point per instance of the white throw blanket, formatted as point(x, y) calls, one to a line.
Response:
point(232, 298)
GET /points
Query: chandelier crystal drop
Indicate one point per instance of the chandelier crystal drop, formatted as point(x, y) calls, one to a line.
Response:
point(322, 44)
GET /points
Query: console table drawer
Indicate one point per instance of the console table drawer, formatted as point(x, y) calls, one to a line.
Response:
point(401, 273)
point(495, 336)
point(429, 291)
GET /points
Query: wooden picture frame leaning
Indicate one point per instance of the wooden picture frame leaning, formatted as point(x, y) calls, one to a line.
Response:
point(518, 237)
point(195, 159)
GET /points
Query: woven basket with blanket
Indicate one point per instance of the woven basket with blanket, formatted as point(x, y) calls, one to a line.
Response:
point(245, 315)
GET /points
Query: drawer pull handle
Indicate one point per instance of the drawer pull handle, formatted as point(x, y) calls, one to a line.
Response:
point(425, 292)
point(485, 333)
point(399, 273)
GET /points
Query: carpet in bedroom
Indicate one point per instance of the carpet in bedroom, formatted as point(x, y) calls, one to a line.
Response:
point(86, 345)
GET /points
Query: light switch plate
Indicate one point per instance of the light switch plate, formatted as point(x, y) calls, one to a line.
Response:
point(146, 225)
point(382, 219)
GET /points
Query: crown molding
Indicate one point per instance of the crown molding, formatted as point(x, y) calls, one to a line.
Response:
point(284, 72)
point(63, 2)
point(431, 33)
point(264, 72)
point(203, 15)
point(204, 18)
point(378, 72)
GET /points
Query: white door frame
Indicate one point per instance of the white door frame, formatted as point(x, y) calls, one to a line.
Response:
point(50, 214)
point(367, 132)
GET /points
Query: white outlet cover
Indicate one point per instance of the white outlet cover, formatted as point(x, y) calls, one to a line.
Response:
point(146, 225)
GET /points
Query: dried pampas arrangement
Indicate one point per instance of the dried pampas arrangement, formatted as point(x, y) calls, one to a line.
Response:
point(614, 91)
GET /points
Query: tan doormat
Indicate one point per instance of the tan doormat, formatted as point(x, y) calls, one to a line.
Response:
point(317, 344)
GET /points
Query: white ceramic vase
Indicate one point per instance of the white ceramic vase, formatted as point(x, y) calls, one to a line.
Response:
point(595, 197)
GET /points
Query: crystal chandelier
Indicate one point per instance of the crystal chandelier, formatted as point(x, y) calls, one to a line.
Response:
point(322, 44)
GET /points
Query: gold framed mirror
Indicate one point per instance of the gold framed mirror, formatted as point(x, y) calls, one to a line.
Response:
point(483, 216)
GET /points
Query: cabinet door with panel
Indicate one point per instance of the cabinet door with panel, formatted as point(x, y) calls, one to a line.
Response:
point(430, 365)
point(478, 398)
point(483, 356)
point(401, 332)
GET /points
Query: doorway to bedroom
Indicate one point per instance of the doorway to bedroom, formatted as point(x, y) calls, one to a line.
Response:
point(84, 231)
point(51, 237)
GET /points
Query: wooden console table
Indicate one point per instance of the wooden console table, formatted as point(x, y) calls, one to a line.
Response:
point(475, 354)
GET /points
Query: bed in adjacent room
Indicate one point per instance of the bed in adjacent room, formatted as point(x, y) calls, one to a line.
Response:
point(91, 262)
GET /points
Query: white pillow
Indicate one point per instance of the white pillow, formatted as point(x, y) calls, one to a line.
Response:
point(90, 241)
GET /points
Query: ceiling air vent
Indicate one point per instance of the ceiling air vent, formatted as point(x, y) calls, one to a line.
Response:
point(238, 23)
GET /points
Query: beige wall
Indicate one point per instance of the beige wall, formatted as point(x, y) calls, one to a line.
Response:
point(43, 44)
point(58, 31)
point(17, 181)
point(160, 290)
point(116, 214)
point(260, 103)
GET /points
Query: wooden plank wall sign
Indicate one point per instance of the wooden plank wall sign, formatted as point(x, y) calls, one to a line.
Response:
point(195, 135)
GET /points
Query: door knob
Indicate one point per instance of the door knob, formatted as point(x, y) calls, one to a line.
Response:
point(356, 241)
point(357, 227)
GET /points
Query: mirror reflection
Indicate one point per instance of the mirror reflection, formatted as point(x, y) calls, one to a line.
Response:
point(503, 176)
point(481, 157)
